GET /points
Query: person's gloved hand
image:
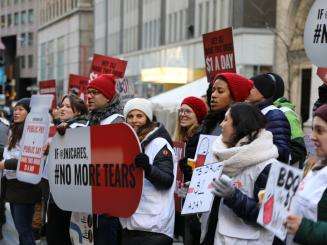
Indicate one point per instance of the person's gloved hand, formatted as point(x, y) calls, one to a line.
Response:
point(61, 128)
point(223, 187)
point(182, 192)
point(142, 161)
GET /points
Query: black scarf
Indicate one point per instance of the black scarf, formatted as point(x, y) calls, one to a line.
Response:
point(96, 116)
point(78, 119)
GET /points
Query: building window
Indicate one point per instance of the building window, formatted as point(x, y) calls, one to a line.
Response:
point(3, 21)
point(22, 39)
point(16, 19)
point(22, 62)
point(30, 61)
point(2, 2)
point(30, 16)
point(30, 39)
point(8, 2)
point(23, 17)
point(60, 58)
point(43, 61)
point(8, 20)
point(50, 60)
point(16, 1)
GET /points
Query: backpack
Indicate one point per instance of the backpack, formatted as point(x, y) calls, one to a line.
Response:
point(297, 145)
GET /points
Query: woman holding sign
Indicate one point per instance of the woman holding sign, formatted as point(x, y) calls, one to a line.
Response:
point(246, 150)
point(72, 114)
point(21, 196)
point(307, 223)
point(153, 221)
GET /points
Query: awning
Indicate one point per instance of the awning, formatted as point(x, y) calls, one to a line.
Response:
point(175, 96)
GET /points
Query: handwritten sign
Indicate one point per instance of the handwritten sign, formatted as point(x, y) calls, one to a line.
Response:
point(204, 153)
point(81, 228)
point(283, 182)
point(199, 197)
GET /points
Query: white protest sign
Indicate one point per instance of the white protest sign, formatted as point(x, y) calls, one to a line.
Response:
point(35, 136)
point(315, 33)
point(203, 154)
point(81, 228)
point(282, 184)
point(125, 88)
point(199, 197)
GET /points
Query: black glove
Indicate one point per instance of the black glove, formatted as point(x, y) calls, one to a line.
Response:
point(142, 161)
point(61, 128)
point(186, 169)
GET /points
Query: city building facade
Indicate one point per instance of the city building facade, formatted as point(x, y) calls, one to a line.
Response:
point(162, 39)
point(65, 40)
point(18, 33)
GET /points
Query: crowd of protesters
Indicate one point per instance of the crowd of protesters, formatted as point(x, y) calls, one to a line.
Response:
point(254, 124)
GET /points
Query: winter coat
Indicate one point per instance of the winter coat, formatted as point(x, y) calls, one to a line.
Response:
point(13, 190)
point(297, 145)
point(4, 131)
point(156, 210)
point(279, 126)
point(248, 165)
point(310, 202)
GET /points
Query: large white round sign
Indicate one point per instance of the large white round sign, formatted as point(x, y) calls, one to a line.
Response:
point(315, 34)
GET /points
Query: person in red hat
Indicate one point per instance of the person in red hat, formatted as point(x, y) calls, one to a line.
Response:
point(105, 108)
point(103, 100)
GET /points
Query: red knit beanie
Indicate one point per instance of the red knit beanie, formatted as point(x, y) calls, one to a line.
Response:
point(238, 85)
point(198, 106)
point(105, 84)
point(321, 112)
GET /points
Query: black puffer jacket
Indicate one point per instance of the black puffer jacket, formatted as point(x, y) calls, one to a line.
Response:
point(161, 174)
point(279, 126)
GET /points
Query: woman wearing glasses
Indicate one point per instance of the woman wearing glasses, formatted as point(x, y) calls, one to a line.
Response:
point(190, 116)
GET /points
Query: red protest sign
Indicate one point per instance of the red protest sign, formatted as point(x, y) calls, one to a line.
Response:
point(79, 84)
point(89, 173)
point(322, 73)
point(179, 148)
point(219, 52)
point(107, 65)
point(49, 87)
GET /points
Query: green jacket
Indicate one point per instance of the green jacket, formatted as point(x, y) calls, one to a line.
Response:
point(311, 232)
point(297, 145)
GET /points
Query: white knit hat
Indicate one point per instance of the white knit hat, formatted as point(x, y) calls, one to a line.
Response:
point(140, 104)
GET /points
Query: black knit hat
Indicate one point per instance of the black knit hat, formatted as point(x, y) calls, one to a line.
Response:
point(25, 103)
point(279, 85)
point(264, 84)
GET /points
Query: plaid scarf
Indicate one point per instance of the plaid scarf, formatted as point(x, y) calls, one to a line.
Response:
point(96, 116)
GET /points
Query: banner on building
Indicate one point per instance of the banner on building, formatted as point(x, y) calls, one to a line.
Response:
point(199, 197)
point(219, 52)
point(283, 182)
point(34, 139)
point(87, 171)
point(49, 87)
point(102, 64)
point(77, 85)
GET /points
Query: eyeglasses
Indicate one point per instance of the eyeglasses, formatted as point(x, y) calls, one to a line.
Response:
point(93, 92)
point(184, 111)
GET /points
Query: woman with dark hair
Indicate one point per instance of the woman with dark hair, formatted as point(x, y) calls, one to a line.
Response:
point(72, 114)
point(153, 221)
point(246, 150)
point(20, 195)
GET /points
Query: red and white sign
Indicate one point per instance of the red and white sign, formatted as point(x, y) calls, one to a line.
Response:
point(102, 64)
point(179, 148)
point(282, 184)
point(204, 154)
point(91, 170)
point(219, 52)
point(78, 83)
point(49, 87)
point(322, 73)
point(34, 139)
